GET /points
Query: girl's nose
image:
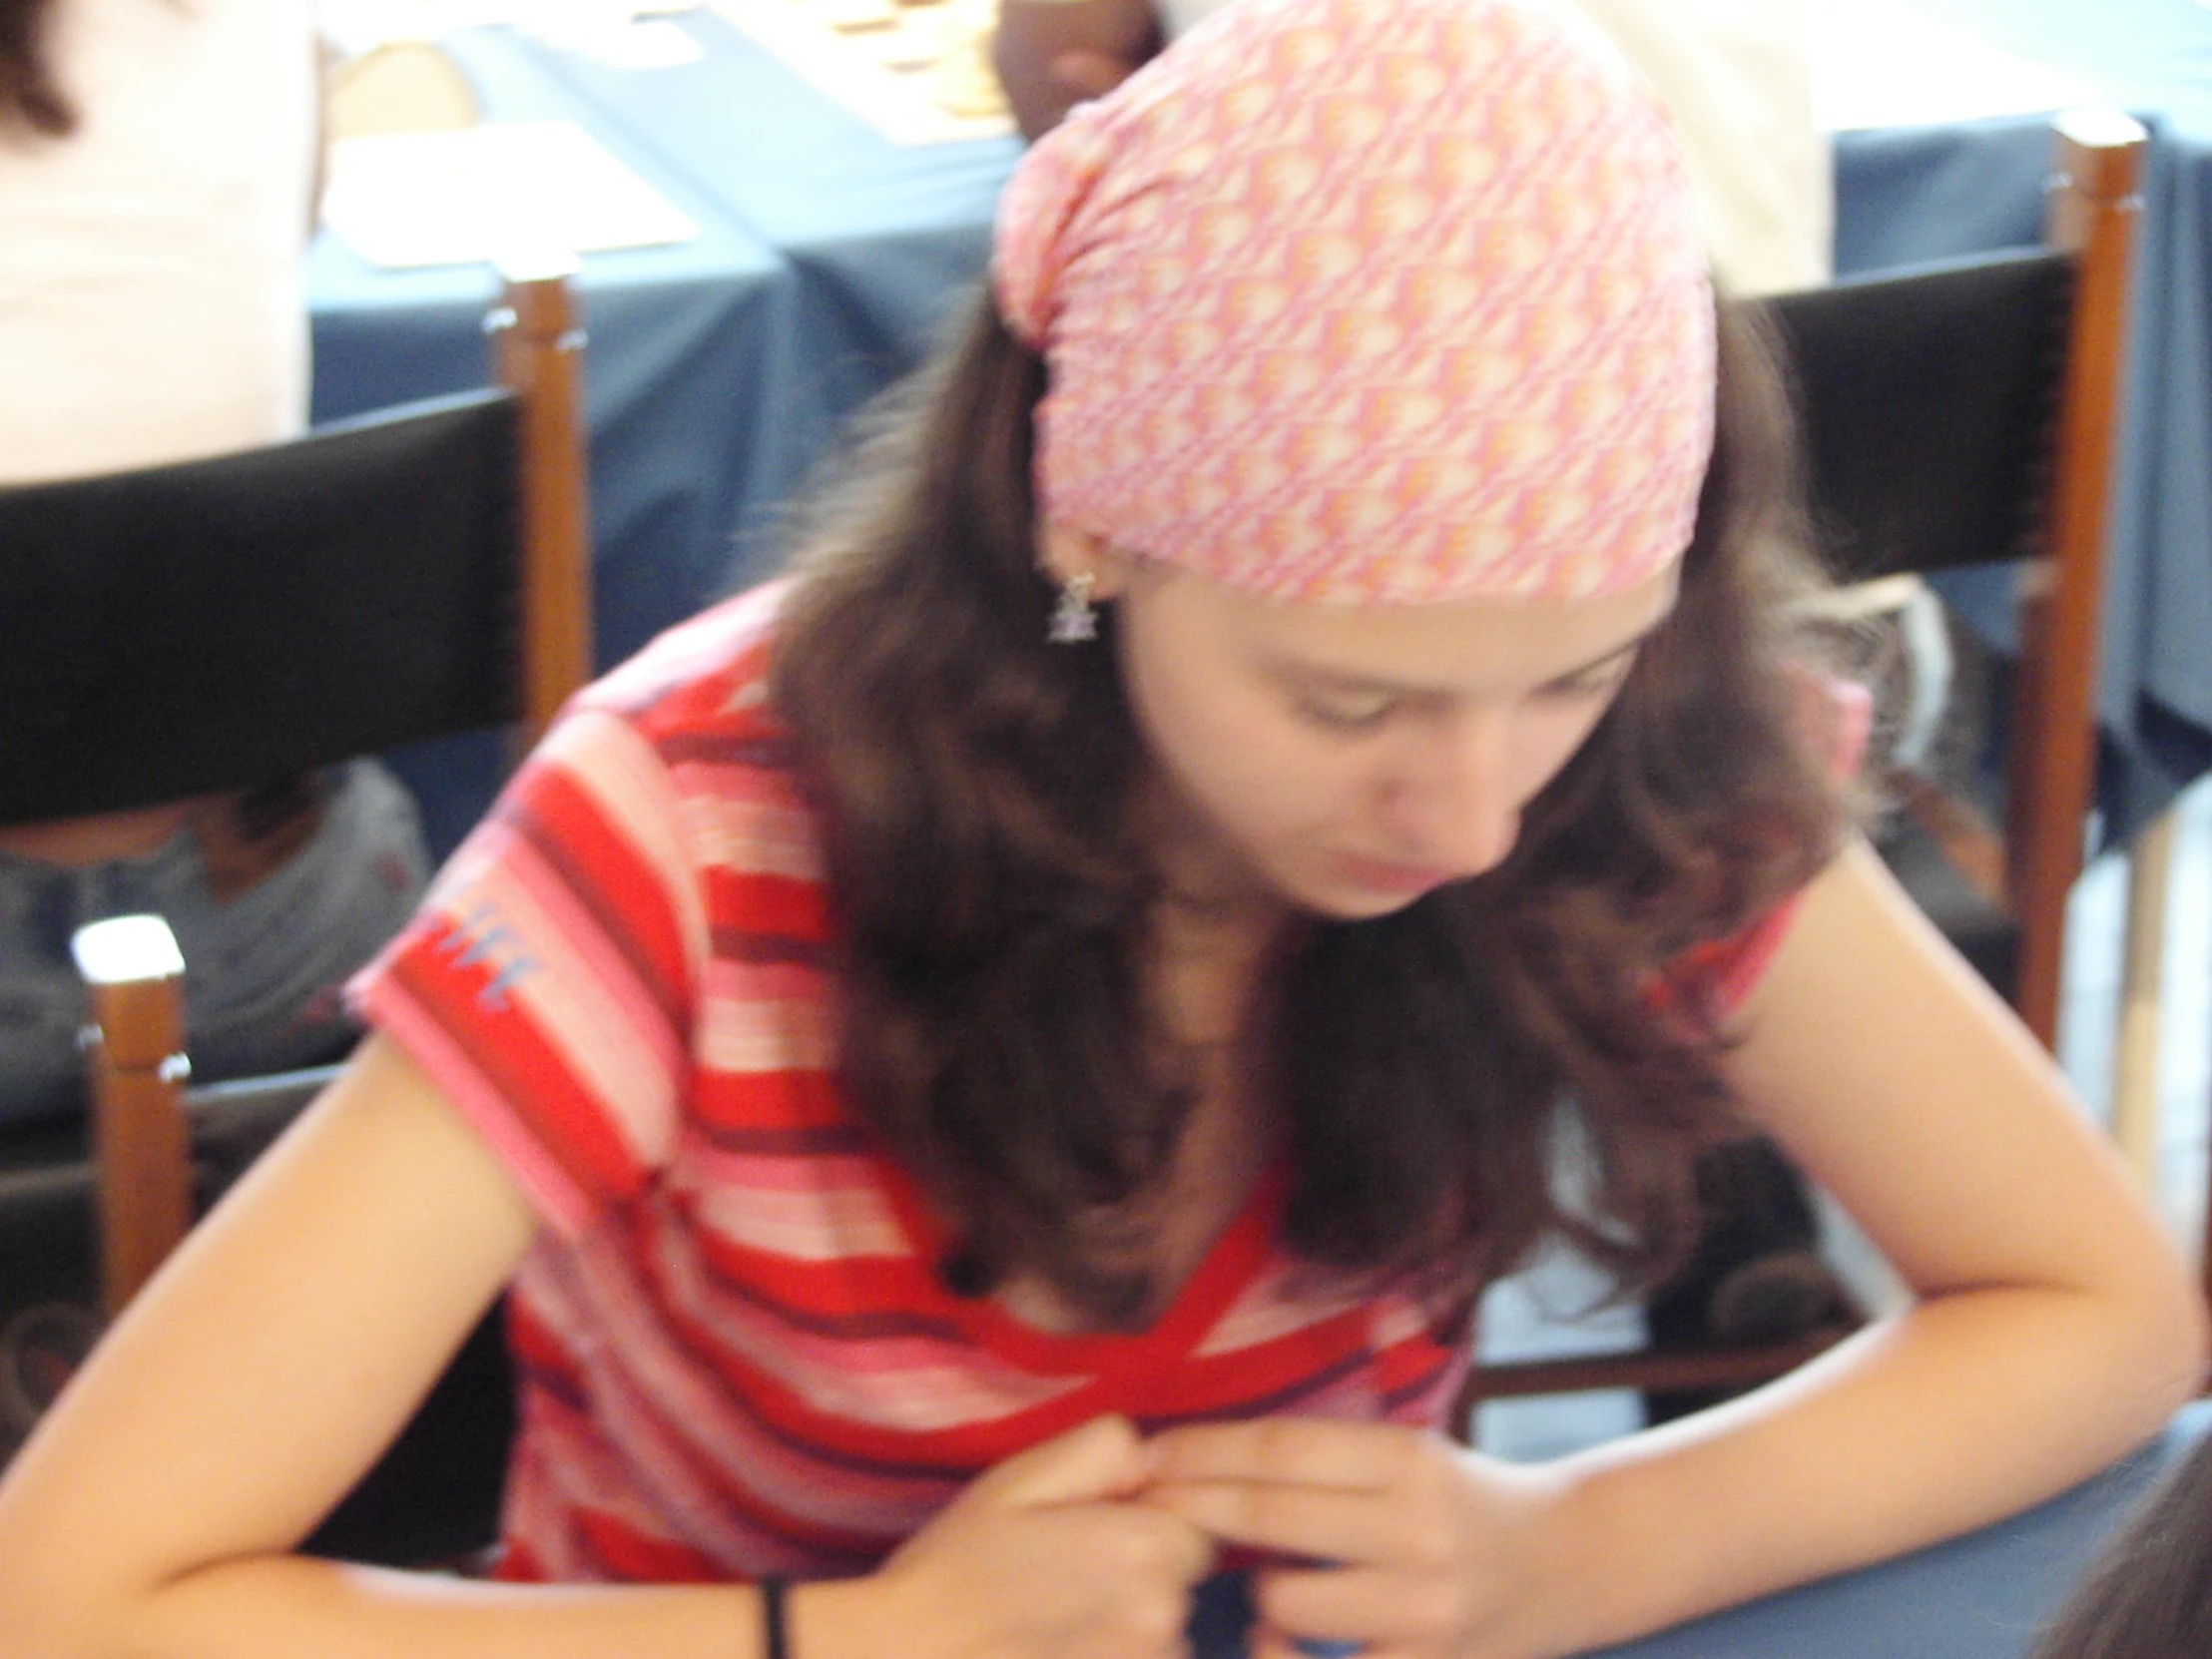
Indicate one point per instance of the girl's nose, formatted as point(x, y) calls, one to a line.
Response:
point(1455, 806)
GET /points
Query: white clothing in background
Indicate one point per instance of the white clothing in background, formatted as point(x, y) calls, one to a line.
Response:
point(151, 305)
point(1736, 77)
point(153, 308)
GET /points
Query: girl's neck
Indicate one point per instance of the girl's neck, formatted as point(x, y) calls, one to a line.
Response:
point(1218, 927)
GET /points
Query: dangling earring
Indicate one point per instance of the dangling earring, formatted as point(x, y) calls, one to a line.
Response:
point(1073, 620)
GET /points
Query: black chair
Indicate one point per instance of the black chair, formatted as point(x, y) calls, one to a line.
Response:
point(1951, 414)
point(206, 627)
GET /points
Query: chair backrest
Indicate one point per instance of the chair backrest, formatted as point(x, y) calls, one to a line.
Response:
point(1967, 412)
point(204, 626)
point(1926, 401)
point(210, 626)
point(409, 575)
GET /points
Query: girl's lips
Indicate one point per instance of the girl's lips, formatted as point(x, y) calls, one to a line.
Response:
point(1380, 875)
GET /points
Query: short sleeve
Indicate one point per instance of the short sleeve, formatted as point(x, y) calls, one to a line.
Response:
point(1728, 970)
point(547, 982)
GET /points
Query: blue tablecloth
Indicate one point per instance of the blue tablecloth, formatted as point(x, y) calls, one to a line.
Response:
point(881, 240)
point(687, 348)
point(682, 340)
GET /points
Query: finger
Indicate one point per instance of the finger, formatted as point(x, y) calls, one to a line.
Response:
point(1192, 1553)
point(1124, 1545)
point(1313, 1523)
point(1103, 1459)
point(1090, 74)
point(1349, 1457)
point(1151, 1543)
point(1350, 1604)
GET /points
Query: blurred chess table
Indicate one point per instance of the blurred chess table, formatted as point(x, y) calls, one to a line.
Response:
point(832, 250)
point(919, 70)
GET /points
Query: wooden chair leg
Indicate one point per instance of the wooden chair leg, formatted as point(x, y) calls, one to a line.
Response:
point(2135, 1059)
point(2094, 207)
point(134, 974)
point(538, 345)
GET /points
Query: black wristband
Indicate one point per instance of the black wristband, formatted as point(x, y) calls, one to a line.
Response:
point(774, 1642)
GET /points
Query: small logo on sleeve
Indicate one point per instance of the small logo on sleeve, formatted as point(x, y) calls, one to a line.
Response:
point(481, 938)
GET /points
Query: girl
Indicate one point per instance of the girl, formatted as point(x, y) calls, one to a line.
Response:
point(998, 1067)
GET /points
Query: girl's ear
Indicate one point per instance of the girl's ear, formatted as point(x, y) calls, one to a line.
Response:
point(1065, 552)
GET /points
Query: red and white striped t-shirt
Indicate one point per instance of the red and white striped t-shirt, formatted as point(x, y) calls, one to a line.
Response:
point(735, 1355)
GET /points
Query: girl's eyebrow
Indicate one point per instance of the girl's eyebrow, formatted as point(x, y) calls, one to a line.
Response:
point(1378, 686)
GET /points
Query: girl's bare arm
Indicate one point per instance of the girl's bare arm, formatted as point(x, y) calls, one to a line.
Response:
point(249, 1387)
point(279, 1351)
point(2055, 1326)
point(2054, 1329)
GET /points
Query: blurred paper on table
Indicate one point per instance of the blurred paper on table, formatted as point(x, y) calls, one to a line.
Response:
point(650, 43)
point(402, 200)
point(357, 25)
point(918, 71)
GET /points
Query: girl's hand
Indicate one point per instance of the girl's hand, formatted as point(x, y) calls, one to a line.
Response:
point(1432, 1551)
point(1047, 1556)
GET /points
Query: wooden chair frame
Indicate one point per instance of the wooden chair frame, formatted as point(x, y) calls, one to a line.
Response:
point(134, 1045)
point(495, 542)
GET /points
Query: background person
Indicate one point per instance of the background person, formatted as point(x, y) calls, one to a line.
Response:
point(1736, 77)
point(156, 167)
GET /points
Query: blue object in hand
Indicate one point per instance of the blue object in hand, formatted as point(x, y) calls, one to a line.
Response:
point(1222, 1614)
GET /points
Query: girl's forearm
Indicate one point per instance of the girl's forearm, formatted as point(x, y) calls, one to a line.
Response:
point(1947, 1416)
point(280, 1607)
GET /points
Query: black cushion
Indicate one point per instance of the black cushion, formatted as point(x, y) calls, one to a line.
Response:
point(211, 625)
point(1926, 398)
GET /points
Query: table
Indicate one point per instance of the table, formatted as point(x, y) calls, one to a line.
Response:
point(829, 258)
point(719, 371)
point(881, 241)
point(683, 339)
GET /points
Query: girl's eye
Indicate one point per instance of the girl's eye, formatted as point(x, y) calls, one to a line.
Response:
point(1590, 687)
point(1347, 713)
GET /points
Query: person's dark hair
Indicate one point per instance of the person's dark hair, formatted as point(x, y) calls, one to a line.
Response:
point(2148, 1594)
point(30, 99)
point(1433, 1066)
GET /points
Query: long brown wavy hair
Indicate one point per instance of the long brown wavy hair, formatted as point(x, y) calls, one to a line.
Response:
point(30, 99)
point(1441, 1071)
point(2147, 1594)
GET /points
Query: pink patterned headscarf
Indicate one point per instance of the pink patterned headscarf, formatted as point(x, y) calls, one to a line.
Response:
point(1370, 301)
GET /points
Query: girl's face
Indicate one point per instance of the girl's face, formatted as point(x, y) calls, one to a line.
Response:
point(1347, 760)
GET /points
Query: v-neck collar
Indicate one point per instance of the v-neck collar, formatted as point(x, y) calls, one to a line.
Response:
point(1228, 1267)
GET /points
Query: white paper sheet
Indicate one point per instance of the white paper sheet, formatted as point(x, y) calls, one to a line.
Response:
point(512, 189)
